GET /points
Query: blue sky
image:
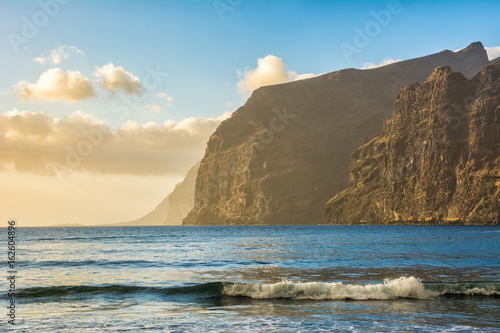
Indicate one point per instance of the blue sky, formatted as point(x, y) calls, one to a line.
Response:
point(87, 70)
point(202, 53)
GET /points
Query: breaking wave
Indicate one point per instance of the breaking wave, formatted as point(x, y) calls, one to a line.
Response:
point(403, 287)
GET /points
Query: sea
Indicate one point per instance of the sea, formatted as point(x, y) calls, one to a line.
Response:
point(255, 279)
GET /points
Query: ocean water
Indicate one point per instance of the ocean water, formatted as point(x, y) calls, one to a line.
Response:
point(257, 279)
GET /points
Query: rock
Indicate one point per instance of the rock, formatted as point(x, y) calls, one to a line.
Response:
point(174, 208)
point(285, 153)
point(436, 161)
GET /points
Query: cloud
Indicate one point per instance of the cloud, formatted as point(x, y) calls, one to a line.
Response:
point(56, 84)
point(493, 52)
point(37, 143)
point(153, 108)
point(58, 54)
point(386, 61)
point(113, 78)
point(270, 70)
point(295, 77)
point(168, 99)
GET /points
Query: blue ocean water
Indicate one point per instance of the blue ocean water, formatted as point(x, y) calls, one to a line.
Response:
point(257, 279)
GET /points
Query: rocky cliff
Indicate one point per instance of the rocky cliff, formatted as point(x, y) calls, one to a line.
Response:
point(174, 208)
point(286, 152)
point(437, 160)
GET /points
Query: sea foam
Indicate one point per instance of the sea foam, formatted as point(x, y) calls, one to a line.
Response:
point(403, 287)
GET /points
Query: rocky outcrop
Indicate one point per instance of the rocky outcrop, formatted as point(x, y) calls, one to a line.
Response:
point(436, 161)
point(286, 152)
point(174, 208)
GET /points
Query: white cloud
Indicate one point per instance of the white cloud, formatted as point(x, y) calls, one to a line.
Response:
point(38, 143)
point(386, 61)
point(295, 77)
point(113, 78)
point(168, 99)
point(493, 52)
point(58, 54)
point(154, 108)
point(56, 84)
point(224, 116)
point(270, 70)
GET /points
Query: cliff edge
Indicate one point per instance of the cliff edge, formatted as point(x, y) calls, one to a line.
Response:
point(286, 152)
point(436, 161)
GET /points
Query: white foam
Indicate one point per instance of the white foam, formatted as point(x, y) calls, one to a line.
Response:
point(473, 292)
point(403, 287)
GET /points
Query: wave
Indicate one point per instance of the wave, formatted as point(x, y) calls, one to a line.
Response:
point(472, 288)
point(214, 288)
point(80, 263)
point(61, 264)
point(403, 287)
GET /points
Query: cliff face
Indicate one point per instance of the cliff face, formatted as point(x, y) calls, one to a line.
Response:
point(181, 200)
point(174, 208)
point(437, 160)
point(282, 155)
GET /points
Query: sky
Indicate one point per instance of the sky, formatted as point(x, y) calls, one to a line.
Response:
point(105, 105)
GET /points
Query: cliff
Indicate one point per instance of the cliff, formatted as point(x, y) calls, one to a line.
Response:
point(286, 152)
point(437, 160)
point(174, 207)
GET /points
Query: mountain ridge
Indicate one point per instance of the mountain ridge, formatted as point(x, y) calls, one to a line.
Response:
point(282, 155)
